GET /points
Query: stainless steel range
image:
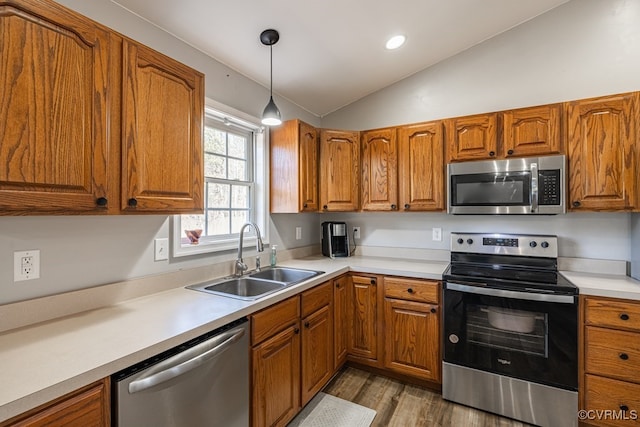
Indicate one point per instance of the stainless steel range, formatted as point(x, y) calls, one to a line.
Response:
point(510, 328)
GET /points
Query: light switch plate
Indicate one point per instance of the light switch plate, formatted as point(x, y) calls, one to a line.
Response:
point(161, 249)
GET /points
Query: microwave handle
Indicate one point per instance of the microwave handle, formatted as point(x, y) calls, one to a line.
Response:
point(534, 187)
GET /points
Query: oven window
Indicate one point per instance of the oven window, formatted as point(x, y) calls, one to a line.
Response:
point(508, 329)
point(500, 189)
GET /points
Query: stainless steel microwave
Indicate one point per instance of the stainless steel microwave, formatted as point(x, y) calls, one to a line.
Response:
point(524, 186)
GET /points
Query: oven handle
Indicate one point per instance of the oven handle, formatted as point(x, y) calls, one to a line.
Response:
point(176, 366)
point(564, 299)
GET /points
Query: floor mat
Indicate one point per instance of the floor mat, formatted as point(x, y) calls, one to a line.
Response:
point(325, 410)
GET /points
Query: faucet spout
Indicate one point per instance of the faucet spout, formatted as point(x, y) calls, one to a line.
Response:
point(241, 267)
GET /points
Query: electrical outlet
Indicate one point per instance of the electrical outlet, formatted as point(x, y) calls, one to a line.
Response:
point(356, 232)
point(437, 234)
point(298, 233)
point(161, 249)
point(26, 265)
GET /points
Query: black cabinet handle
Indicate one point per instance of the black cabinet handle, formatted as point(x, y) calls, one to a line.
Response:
point(624, 316)
point(433, 310)
point(338, 285)
point(576, 204)
point(393, 207)
point(304, 205)
point(492, 153)
point(101, 201)
point(407, 206)
point(510, 152)
point(624, 408)
point(296, 331)
point(132, 202)
point(373, 281)
point(410, 290)
point(306, 325)
point(325, 207)
point(624, 356)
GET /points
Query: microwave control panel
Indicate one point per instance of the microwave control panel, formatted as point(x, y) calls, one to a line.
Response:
point(549, 187)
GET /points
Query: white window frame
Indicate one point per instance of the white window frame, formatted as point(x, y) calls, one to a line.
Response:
point(260, 193)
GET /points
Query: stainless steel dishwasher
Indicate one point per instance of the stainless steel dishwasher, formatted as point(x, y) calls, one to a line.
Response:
point(203, 382)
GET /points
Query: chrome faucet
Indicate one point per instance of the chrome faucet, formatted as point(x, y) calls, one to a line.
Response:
point(241, 267)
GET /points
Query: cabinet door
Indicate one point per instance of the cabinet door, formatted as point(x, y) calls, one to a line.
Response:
point(55, 72)
point(412, 339)
point(380, 170)
point(472, 137)
point(422, 167)
point(532, 131)
point(294, 167)
point(362, 317)
point(602, 153)
point(340, 321)
point(276, 379)
point(317, 352)
point(86, 407)
point(163, 113)
point(339, 170)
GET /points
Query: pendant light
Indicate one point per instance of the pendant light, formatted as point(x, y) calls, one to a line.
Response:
point(271, 115)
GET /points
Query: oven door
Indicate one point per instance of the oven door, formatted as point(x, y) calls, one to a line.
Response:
point(530, 336)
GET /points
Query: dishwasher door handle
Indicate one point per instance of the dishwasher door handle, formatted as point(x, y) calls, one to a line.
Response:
point(176, 366)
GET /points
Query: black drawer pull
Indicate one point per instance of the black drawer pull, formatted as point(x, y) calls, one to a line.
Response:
point(410, 290)
point(325, 207)
point(624, 356)
point(624, 316)
point(624, 408)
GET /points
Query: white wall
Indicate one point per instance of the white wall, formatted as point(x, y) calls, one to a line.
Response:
point(581, 49)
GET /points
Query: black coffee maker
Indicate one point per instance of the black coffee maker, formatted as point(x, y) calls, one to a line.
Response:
point(335, 239)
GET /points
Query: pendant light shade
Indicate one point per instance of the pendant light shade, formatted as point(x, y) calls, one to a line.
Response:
point(271, 115)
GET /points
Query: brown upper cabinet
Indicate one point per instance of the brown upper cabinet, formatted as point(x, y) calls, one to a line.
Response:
point(421, 160)
point(602, 145)
point(339, 170)
point(472, 137)
point(380, 170)
point(523, 132)
point(94, 123)
point(294, 167)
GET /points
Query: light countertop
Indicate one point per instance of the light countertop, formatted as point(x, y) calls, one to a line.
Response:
point(47, 360)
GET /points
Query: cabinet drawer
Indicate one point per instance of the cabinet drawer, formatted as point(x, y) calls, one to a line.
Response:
point(316, 298)
point(613, 353)
point(612, 313)
point(272, 320)
point(603, 394)
point(411, 289)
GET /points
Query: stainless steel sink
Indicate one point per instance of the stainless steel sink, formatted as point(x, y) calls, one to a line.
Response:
point(285, 275)
point(256, 285)
point(245, 288)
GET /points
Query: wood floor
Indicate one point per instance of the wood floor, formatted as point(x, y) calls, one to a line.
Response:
point(403, 405)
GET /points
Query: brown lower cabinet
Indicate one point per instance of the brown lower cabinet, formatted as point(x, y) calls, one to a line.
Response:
point(610, 380)
point(85, 407)
point(292, 355)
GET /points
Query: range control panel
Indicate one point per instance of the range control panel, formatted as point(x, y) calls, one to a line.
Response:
point(536, 245)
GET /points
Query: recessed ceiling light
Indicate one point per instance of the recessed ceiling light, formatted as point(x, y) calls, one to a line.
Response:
point(395, 42)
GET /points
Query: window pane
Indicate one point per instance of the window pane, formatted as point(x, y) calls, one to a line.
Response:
point(240, 197)
point(238, 169)
point(215, 141)
point(218, 195)
point(192, 222)
point(218, 223)
point(237, 146)
point(238, 219)
point(215, 166)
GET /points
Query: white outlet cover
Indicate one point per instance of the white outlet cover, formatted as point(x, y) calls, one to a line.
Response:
point(298, 233)
point(18, 274)
point(161, 249)
point(437, 234)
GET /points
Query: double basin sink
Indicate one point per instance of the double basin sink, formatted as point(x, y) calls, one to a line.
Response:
point(257, 284)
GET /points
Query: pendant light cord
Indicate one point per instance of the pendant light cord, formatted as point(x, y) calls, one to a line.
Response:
point(271, 66)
